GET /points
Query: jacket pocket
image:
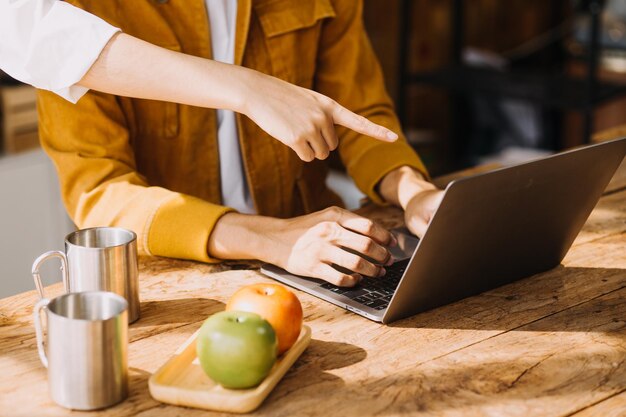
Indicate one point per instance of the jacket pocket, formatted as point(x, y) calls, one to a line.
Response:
point(279, 17)
point(292, 29)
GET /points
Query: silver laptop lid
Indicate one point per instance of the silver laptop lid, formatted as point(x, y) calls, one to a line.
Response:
point(503, 225)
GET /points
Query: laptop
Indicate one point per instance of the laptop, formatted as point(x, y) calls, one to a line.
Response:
point(489, 230)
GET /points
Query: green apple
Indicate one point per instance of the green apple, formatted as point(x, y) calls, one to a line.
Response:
point(236, 349)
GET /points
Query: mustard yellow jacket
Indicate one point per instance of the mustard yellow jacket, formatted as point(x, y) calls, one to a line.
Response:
point(153, 167)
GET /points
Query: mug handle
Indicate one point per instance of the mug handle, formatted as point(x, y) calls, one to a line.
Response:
point(43, 258)
point(41, 304)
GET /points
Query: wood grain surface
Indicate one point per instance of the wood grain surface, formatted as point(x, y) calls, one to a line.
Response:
point(553, 344)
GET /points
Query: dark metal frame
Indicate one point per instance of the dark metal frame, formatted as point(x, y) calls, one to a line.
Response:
point(459, 81)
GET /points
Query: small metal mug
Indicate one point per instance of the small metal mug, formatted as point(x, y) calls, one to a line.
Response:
point(87, 344)
point(98, 259)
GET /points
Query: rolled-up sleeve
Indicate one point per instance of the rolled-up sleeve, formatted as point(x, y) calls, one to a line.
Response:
point(50, 44)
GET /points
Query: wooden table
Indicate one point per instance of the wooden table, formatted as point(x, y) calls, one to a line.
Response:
point(550, 345)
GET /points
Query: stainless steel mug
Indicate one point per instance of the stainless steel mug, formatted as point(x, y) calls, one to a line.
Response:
point(87, 348)
point(98, 259)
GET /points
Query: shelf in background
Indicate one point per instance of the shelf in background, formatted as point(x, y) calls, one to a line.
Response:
point(549, 90)
point(18, 118)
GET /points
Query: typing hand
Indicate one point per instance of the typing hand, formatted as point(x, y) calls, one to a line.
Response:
point(309, 245)
point(407, 188)
point(420, 209)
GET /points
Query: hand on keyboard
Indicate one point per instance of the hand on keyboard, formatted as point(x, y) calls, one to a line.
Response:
point(375, 293)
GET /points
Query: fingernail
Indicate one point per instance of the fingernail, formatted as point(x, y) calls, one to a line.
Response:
point(393, 242)
point(392, 136)
point(382, 272)
point(357, 277)
point(390, 261)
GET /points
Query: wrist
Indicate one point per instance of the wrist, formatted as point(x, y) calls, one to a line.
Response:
point(244, 80)
point(242, 236)
point(401, 185)
point(236, 88)
point(221, 86)
point(233, 237)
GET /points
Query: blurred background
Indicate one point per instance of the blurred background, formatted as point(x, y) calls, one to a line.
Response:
point(485, 80)
point(475, 82)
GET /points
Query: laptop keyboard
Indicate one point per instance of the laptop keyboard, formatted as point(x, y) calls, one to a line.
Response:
point(375, 293)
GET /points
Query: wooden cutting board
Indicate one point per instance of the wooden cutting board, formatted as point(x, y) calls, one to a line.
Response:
point(181, 380)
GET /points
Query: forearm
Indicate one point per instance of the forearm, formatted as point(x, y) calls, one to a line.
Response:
point(134, 68)
point(307, 245)
point(402, 184)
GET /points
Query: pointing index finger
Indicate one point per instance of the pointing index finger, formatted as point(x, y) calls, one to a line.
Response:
point(360, 124)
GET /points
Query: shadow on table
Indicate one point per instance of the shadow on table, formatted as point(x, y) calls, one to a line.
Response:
point(160, 316)
point(328, 356)
point(176, 311)
point(490, 376)
point(496, 381)
point(311, 371)
point(558, 291)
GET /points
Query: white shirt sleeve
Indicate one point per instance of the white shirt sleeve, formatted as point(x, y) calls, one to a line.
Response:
point(50, 44)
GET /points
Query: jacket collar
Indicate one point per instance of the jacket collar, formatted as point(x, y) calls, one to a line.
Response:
point(244, 9)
